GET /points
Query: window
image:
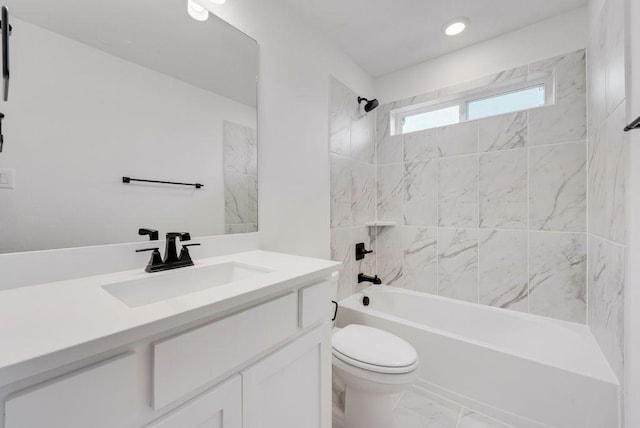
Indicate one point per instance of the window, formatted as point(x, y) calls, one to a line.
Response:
point(506, 103)
point(507, 97)
point(431, 119)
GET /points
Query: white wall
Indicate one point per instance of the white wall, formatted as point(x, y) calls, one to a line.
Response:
point(563, 33)
point(293, 122)
point(78, 120)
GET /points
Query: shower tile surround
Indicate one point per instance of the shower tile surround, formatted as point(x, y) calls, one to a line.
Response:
point(353, 184)
point(240, 178)
point(608, 170)
point(491, 211)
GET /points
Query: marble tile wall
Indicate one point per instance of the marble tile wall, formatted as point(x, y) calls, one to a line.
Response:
point(491, 211)
point(607, 174)
point(240, 154)
point(353, 184)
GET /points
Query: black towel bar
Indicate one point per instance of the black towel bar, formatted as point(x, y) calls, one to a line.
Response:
point(128, 180)
point(5, 29)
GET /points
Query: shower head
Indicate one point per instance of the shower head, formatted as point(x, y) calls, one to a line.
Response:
point(370, 104)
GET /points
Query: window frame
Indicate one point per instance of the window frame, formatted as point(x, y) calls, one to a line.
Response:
point(462, 100)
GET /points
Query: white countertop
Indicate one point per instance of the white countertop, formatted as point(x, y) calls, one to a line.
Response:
point(40, 320)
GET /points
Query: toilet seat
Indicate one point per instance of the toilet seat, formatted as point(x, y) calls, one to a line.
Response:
point(374, 350)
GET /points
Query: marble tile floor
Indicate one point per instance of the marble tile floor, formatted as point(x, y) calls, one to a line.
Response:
point(419, 408)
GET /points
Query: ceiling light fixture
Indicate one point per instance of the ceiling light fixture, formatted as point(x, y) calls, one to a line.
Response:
point(196, 11)
point(456, 26)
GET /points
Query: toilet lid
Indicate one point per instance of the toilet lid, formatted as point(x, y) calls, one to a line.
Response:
point(373, 347)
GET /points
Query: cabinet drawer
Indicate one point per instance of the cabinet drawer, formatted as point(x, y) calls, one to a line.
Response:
point(315, 304)
point(100, 396)
point(220, 407)
point(191, 360)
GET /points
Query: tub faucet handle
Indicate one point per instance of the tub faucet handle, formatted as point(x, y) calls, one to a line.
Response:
point(361, 252)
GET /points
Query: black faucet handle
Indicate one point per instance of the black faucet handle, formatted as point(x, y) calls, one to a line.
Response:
point(184, 236)
point(155, 262)
point(361, 251)
point(153, 234)
point(143, 250)
point(185, 257)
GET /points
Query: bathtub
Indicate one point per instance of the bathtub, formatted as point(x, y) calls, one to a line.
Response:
point(526, 370)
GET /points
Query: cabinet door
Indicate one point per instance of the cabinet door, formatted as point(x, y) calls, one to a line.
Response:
point(220, 407)
point(292, 387)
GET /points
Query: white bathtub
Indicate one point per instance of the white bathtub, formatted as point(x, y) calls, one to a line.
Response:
point(524, 369)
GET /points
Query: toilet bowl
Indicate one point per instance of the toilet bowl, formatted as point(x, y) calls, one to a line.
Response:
point(371, 365)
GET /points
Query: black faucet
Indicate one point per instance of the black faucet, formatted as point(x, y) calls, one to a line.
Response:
point(366, 278)
point(171, 258)
point(171, 250)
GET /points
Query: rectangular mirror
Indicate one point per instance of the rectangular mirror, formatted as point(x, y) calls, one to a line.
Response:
point(106, 89)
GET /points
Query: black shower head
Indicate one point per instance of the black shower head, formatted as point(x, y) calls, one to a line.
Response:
point(370, 105)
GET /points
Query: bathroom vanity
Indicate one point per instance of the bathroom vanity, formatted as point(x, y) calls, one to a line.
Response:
point(241, 340)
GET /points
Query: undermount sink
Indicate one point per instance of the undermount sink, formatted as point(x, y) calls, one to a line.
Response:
point(159, 287)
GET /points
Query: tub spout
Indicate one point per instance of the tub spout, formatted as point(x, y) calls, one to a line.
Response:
point(366, 278)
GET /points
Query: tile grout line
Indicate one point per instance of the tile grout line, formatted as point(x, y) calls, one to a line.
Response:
point(587, 285)
point(352, 260)
point(478, 212)
point(461, 155)
point(528, 148)
point(437, 142)
point(375, 194)
point(401, 223)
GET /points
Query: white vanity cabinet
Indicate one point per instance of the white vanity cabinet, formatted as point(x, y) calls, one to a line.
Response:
point(266, 365)
point(288, 389)
point(99, 396)
point(190, 360)
point(220, 407)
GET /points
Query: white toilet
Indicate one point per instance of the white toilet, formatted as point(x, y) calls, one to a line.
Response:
point(371, 365)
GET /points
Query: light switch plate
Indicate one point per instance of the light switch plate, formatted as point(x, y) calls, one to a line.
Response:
point(6, 179)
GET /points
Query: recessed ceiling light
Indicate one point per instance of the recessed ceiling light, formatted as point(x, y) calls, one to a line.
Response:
point(456, 26)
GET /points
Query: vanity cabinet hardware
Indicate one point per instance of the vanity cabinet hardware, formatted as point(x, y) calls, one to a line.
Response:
point(128, 180)
point(633, 125)
point(6, 32)
point(153, 234)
